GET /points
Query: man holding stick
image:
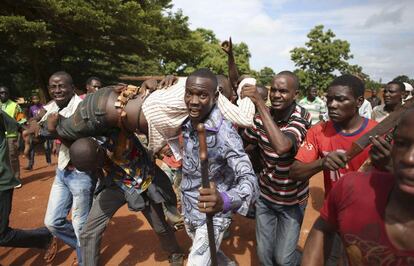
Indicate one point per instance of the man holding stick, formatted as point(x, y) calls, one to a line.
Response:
point(233, 184)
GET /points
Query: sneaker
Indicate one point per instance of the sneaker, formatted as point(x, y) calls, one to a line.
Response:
point(176, 259)
point(51, 250)
point(18, 186)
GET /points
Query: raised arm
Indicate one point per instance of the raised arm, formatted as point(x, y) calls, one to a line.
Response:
point(280, 142)
point(227, 47)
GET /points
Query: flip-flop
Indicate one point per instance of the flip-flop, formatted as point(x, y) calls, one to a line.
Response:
point(51, 250)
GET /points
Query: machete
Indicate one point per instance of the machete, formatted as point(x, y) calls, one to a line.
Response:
point(382, 128)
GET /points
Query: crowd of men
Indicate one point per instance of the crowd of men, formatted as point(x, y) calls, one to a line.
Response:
point(263, 147)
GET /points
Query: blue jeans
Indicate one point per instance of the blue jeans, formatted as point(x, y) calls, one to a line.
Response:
point(71, 189)
point(277, 232)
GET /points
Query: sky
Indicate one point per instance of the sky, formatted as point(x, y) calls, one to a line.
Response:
point(381, 33)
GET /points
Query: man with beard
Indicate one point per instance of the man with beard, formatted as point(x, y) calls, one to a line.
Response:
point(373, 212)
point(71, 189)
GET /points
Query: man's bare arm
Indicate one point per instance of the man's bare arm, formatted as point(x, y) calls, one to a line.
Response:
point(300, 171)
point(332, 161)
point(279, 141)
point(319, 243)
point(227, 47)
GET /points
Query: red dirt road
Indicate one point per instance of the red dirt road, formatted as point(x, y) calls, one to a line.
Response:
point(128, 240)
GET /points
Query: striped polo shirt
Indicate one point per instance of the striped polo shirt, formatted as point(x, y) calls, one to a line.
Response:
point(316, 108)
point(275, 185)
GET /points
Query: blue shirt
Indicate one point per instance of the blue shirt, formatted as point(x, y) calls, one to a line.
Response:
point(229, 167)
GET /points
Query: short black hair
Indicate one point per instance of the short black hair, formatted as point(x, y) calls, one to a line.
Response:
point(260, 88)
point(310, 87)
point(400, 85)
point(292, 76)
point(6, 89)
point(205, 73)
point(63, 74)
point(354, 83)
point(89, 80)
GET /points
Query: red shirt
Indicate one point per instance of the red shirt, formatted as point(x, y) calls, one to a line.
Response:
point(356, 207)
point(324, 138)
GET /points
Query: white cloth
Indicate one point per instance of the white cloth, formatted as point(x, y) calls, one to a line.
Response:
point(165, 111)
point(52, 107)
point(366, 109)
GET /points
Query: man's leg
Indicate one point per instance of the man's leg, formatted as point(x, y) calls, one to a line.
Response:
point(81, 187)
point(14, 156)
point(48, 151)
point(58, 207)
point(266, 222)
point(31, 156)
point(155, 216)
point(106, 203)
point(200, 249)
point(36, 238)
point(288, 229)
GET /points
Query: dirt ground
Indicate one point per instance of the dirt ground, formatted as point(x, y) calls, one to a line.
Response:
point(128, 239)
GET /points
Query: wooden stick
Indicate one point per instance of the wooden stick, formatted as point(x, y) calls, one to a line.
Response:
point(203, 154)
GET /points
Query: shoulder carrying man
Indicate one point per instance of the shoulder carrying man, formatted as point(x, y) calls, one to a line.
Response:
point(233, 186)
point(71, 189)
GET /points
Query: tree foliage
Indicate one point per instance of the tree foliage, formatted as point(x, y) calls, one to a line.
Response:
point(404, 78)
point(322, 57)
point(264, 76)
point(105, 38)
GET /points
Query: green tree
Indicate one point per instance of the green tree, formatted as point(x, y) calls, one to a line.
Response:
point(264, 76)
point(212, 57)
point(106, 38)
point(404, 78)
point(321, 58)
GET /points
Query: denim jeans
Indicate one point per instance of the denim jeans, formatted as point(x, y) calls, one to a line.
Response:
point(277, 232)
point(200, 251)
point(71, 189)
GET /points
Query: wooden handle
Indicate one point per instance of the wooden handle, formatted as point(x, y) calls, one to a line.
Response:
point(203, 143)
